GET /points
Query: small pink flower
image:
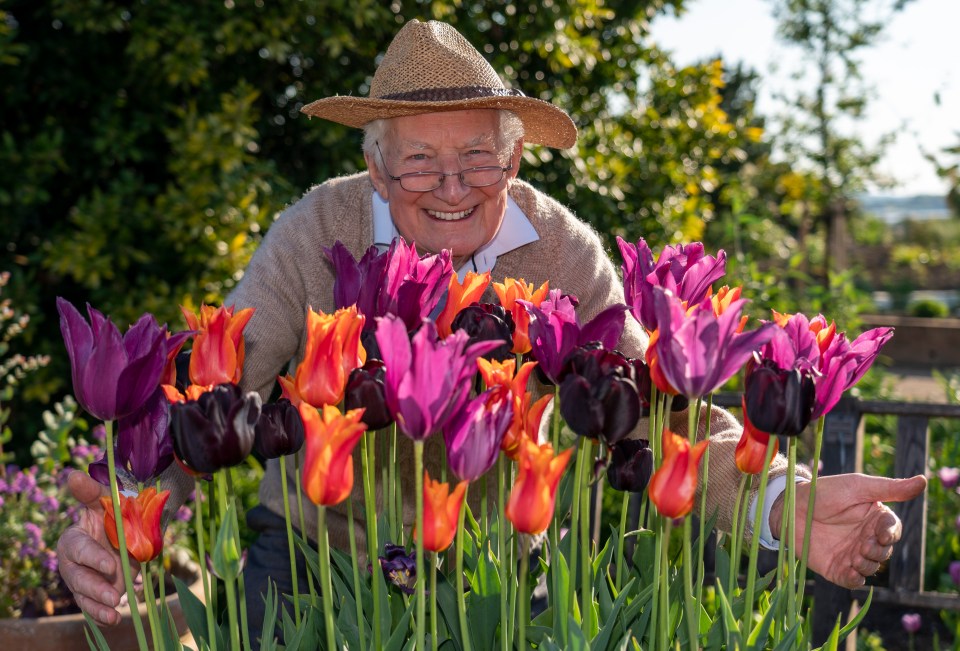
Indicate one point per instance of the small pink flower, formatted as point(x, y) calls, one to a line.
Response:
point(911, 622)
point(956, 523)
point(949, 477)
point(955, 572)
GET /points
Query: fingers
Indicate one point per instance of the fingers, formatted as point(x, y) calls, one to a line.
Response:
point(89, 571)
point(86, 490)
point(884, 489)
point(888, 527)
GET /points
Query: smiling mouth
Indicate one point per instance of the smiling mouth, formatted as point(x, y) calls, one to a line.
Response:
point(450, 216)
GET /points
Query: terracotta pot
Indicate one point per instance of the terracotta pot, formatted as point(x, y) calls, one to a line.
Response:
point(67, 632)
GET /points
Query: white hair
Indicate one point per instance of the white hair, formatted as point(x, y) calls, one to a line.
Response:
point(509, 131)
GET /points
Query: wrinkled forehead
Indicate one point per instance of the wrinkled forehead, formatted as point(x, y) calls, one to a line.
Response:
point(445, 130)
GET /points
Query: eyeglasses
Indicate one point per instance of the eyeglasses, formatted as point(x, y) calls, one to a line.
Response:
point(474, 177)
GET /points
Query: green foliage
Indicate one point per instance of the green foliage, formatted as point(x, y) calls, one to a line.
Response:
point(929, 308)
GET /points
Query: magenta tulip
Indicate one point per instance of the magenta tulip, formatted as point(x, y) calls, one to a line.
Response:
point(474, 434)
point(358, 283)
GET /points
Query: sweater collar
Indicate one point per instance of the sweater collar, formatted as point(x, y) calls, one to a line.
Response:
point(515, 231)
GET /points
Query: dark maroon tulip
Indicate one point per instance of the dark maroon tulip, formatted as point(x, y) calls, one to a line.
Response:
point(487, 322)
point(645, 388)
point(399, 567)
point(598, 395)
point(365, 389)
point(216, 430)
point(631, 464)
point(779, 401)
point(279, 430)
point(144, 445)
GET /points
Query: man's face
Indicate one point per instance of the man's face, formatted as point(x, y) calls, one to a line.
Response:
point(453, 216)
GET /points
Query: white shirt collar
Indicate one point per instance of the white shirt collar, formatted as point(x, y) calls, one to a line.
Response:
point(515, 231)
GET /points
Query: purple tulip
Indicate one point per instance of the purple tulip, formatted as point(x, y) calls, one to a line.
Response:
point(112, 375)
point(99, 471)
point(358, 283)
point(794, 346)
point(955, 572)
point(956, 523)
point(631, 464)
point(279, 430)
point(413, 285)
point(216, 430)
point(474, 434)
point(699, 352)
point(911, 622)
point(598, 395)
point(949, 477)
point(779, 401)
point(144, 446)
point(555, 331)
point(399, 567)
point(865, 349)
point(684, 270)
point(427, 379)
point(365, 389)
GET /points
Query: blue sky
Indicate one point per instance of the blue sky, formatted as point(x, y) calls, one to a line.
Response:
point(917, 58)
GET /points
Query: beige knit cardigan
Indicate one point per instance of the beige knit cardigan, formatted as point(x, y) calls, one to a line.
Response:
point(290, 273)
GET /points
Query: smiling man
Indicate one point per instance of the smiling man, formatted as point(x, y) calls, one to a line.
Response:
point(443, 141)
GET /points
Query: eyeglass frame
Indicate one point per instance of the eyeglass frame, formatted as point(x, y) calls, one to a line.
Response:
point(442, 175)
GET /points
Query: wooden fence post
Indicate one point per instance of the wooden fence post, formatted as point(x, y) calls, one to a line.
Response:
point(910, 458)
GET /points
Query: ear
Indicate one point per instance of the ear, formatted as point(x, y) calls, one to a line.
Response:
point(380, 182)
point(515, 158)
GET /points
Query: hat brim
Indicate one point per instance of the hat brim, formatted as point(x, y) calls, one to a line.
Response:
point(543, 123)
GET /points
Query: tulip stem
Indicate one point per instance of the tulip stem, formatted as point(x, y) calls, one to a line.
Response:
point(814, 471)
point(161, 585)
point(290, 546)
point(458, 578)
point(574, 531)
point(421, 579)
point(523, 598)
point(150, 600)
point(434, 559)
point(701, 539)
point(736, 538)
point(373, 545)
point(202, 555)
point(244, 625)
point(789, 542)
point(664, 637)
point(656, 405)
point(326, 587)
point(562, 605)
point(586, 575)
point(229, 581)
point(358, 601)
point(502, 551)
point(621, 561)
point(692, 616)
point(755, 540)
point(121, 538)
point(303, 521)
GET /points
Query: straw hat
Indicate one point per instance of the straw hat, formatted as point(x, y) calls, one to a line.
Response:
point(430, 67)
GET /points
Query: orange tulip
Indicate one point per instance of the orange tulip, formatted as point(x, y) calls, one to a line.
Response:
point(653, 363)
point(217, 354)
point(288, 389)
point(441, 511)
point(824, 333)
point(509, 292)
point(722, 300)
point(534, 494)
point(192, 392)
point(330, 439)
point(460, 296)
point(333, 351)
point(141, 523)
point(673, 486)
point(752, 448)
point(526, 417)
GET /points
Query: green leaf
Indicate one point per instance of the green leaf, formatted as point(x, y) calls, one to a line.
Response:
point(611, 620)
point(730, 622)
point(399, 636)
point(94, 631)
point(268, 640)
point(193, 611)
point(226, 553)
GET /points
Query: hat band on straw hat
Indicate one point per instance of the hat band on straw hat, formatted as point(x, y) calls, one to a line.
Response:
point(452, 94)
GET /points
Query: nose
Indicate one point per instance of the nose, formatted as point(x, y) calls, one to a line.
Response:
point(452, 190)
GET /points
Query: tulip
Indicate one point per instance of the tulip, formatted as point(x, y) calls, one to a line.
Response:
point(144, 445)
point(683, 270)
point(218, 349)
point(441, 510)
point(510, 293)
point(474, 434)
point(723, 299)
point(459, 296)
point(171, 368)
point(674, 485)
point(911, 622)
point(526, 417)
point(824, 333)
point(697, 351)
point(288, 389)
point(427, 379)
point(865, 349)
point(112, 375)
point(399, 567)
point(751, 449)
point(533, 497)
point(333, 350)
point(949, 477)
point(413, 286)
point(174, 396)
point(555, 331)
point(279, 430)
point(631, 464)
point(215, 431)
point(954, 570)
point(487, 322)
point(141, 523)
point(598, 396)
point(356, 283)
point(328, 466)
point(365, 389)
point(779, 401)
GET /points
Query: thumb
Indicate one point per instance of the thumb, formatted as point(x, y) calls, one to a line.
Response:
point(86, 490)
point(884, 489)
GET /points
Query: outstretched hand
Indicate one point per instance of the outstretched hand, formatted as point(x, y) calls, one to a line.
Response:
point(853, 531)
point(89, 564)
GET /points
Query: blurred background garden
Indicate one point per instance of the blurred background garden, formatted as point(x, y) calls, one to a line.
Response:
point(147, 145)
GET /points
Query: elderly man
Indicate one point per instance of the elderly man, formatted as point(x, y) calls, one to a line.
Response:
point(443, 141)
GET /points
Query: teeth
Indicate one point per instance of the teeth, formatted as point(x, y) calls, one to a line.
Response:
point(449, 216)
